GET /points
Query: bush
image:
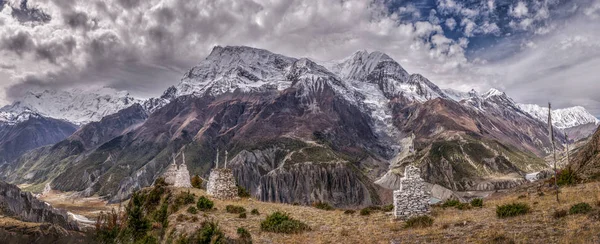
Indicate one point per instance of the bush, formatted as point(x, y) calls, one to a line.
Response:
point(244, 235)
point(511, 210)
point(477, 203)
point(580, 208)
point(255, 212)
point(197, 182)
point(279, 222)
point(192, 210)
point(560, 213)
point(463, 206)
point(323, 206)
point(182, 199)
point(419, 222)
point(450, 203)
point(243, 216)
point(242, 192)
point(210, 233)
point(566, 177)
point(365, 211)
point(160, 182)
point(388, 208)
point(204, 204)
point(235, 209)
point(349, 212)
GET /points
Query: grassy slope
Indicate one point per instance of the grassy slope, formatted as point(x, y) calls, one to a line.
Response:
point(451, 225)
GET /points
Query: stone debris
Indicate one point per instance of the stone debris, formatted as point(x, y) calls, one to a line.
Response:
point(412, 199)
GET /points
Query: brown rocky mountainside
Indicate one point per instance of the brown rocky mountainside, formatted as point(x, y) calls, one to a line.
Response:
point(586, 163)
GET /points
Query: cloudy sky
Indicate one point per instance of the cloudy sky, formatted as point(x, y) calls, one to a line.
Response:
point(535, 50)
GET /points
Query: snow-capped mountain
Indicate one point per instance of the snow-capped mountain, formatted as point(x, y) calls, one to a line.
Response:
point(561, 118)
point(76, 106)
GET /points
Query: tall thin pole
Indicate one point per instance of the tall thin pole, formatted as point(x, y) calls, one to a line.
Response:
point(217, 158)
point(553, 149)
point(568, 152)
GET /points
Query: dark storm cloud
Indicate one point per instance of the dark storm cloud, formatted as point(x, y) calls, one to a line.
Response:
point(20, 43)
point(8, 66)
point(26, 14)
point(76, 20)
point(54, 50)
point(128, 4)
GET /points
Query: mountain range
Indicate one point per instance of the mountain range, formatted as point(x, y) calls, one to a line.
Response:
point(297, 131)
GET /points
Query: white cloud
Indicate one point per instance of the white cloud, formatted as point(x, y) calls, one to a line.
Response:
point(451, 23)
point(520, 10)
point(145, 46)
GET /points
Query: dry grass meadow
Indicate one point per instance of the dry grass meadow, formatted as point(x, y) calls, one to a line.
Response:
point(476, 225)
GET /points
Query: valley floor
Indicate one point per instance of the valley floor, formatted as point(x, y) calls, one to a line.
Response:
point(477, 225)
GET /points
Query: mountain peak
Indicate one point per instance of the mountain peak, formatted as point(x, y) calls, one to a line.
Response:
point(493, 92)
point(561, 118)
point(77, 106)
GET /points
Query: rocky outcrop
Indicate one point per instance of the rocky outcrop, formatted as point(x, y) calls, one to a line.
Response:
point(586, 162)
point(339, 184)
point(24, 206)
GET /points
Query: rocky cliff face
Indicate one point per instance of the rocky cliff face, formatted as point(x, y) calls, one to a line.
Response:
point(25, 207)
point(586, 162)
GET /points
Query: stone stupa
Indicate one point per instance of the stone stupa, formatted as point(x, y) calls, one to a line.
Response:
point(221, 183)
point(178, 175)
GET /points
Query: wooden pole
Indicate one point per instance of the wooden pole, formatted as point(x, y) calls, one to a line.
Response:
point(553, 149)
point(568, 152)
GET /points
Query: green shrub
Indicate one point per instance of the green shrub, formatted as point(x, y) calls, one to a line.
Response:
point(419, 222)
point(511, 210)
point(349, 212)
point(365, 211)
point(560, 213)
point(182, 199)
point(279, 222)
point(450, 203)
point(580, 208)
point(244, 235)
point(210, 233)
point(477, 202)
point(323, 206)
point(204, 204)
point(197, 182)
point(566, 177)
point(235, 209)
point(463, 206)
point(192, 210)
point(242, 192)
point(255, 212)
point(160, 182)
point(243, 215)
point(388, 208)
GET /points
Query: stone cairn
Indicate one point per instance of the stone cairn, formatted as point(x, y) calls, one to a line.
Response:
point(221, 183)
point(178, 175)
point(412, 199)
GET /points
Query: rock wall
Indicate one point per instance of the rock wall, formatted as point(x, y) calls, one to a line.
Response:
point(25, 207)
point(412, 199)
point(221, 184)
